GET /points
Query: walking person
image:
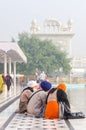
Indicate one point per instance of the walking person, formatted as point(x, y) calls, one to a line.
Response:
point(42, 76)
point(2, 83)
point(9, 82)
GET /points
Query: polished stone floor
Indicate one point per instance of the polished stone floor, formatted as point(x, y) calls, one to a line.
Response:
point(78, 124)
point(25, 122)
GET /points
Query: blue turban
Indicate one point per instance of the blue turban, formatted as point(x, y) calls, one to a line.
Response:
point(45, 85)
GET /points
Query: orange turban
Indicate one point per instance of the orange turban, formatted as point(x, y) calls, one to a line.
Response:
point(61, 86)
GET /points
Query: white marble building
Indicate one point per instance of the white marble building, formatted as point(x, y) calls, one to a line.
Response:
point(78, 67)
point(60, 34)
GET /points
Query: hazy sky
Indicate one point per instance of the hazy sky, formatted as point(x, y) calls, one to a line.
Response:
point(16, 16)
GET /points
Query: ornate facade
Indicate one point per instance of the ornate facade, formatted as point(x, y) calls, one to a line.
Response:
point(60, 34)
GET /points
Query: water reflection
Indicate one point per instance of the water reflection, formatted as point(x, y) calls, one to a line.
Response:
point(77, 97)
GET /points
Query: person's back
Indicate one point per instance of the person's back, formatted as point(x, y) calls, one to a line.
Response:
point(52, 106)
point(37, 101)
point(55, 96)
point(25, 95)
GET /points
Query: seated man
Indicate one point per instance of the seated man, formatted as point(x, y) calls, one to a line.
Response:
point(25, 95)
point(37, 100)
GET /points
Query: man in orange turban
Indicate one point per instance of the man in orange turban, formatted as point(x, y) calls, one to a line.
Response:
point(55, 96)
point(61, 86)
point(61, 94)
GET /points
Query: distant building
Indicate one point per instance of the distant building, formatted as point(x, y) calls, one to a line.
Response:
point(79, 62)
point(78, 67)
point(60, 34)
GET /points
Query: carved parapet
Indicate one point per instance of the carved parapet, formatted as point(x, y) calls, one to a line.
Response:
point(34, 27)
point(52, 25)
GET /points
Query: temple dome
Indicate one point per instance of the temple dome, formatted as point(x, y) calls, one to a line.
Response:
point(70, 22)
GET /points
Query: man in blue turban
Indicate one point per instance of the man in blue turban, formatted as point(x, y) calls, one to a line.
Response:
point(37, 100)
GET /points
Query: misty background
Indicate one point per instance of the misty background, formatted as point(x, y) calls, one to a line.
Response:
point(17, 15)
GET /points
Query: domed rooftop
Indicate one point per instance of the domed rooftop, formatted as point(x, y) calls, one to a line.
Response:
point(70, 22)
point(34, 22)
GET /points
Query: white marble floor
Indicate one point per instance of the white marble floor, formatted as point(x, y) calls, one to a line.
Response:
point(25, 122)
point(78, 124)
point(4, 116)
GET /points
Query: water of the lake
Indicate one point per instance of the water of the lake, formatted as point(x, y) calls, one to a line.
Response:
point(77, 96)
